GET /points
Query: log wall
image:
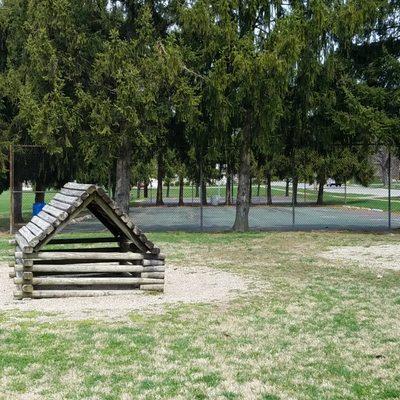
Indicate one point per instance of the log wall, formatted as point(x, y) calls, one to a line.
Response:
point(51, 274)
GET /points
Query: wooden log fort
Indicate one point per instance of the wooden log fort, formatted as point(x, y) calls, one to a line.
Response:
point(126, 260)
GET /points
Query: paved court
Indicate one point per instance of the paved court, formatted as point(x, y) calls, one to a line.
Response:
point(221, 218)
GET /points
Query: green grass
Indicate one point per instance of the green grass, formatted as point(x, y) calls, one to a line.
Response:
point(310, 328)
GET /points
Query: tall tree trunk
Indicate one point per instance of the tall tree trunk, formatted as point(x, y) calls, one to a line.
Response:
point(243, 196)
point(204, 192)
point(39, 192)
point(181, 187)
point(138, 190)
point(160, 176)
point(287, 187)
point(17, 204)
point(146, 190)
point(123, 178)
point(228, 189)
point(197, 193)
point(294, 189)
point(320, 198)
point(269, 189)
point(258, 188)
point(168, 187)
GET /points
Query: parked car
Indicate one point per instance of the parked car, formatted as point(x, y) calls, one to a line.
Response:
point(331, 182)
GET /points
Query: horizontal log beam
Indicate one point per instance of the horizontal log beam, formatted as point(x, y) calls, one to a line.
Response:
point(153, 275)
point(49, 294)
point(149, 256)
point(50, 281)
point(155, 287)
point(94, 268)
point(153, 262)
point(59, 255)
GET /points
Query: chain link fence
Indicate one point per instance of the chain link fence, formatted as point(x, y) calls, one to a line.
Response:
point(283, 204)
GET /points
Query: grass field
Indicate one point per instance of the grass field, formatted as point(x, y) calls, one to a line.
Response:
point(306, 328)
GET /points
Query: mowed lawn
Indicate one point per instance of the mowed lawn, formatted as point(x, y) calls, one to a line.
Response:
point(306, 328)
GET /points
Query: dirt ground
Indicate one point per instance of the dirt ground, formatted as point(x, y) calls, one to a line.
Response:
point(380, 256)
point(182, 285)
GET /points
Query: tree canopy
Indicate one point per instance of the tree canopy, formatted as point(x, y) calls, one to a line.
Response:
point(120, 91)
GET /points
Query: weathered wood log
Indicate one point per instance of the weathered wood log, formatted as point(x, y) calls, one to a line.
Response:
point(155, 287)
point(137, 231)
point(28, 276)
point(150, 256)
point(154, 275)
point(38, 232)
point(103, 194)
point(82, 194)
point(148, 243)
point(84, 240)
point(74, 268)
point(43, 294)
point(28, 236)
point(11, 264)
point(48, 280)
point(18, 294)
point(55, 212)
point(44, 216)
point(27, 288)
point(80, 186)
point(18, 268)
point(62, 206)
point(128, 221)
point(23, 245)
point(153, 262)
point(82, 256)
point(23, 261)
point(74, 201)
point(155, 250)
point(12, 274)
point(154, 269)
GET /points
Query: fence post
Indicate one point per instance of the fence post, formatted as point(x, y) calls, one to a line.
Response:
point(201, 196)
point(293, 208)
point(293, 191)
point(11, 172)
point(390, 191)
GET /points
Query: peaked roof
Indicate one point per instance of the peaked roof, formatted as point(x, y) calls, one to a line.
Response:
point(68, 204)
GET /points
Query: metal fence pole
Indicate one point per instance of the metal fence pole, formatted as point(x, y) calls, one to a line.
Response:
point(201, 197)
point(11, 160)
point(233, 187)
point(390, 191)
point(293, 191)
point(293, 208)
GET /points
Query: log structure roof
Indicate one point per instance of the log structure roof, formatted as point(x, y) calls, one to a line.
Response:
point(67, 205)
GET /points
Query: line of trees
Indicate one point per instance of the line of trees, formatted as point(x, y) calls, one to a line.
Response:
point(119, 90)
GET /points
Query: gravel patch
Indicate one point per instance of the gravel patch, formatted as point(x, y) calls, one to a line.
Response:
point(381, 256)
point(182, 285)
